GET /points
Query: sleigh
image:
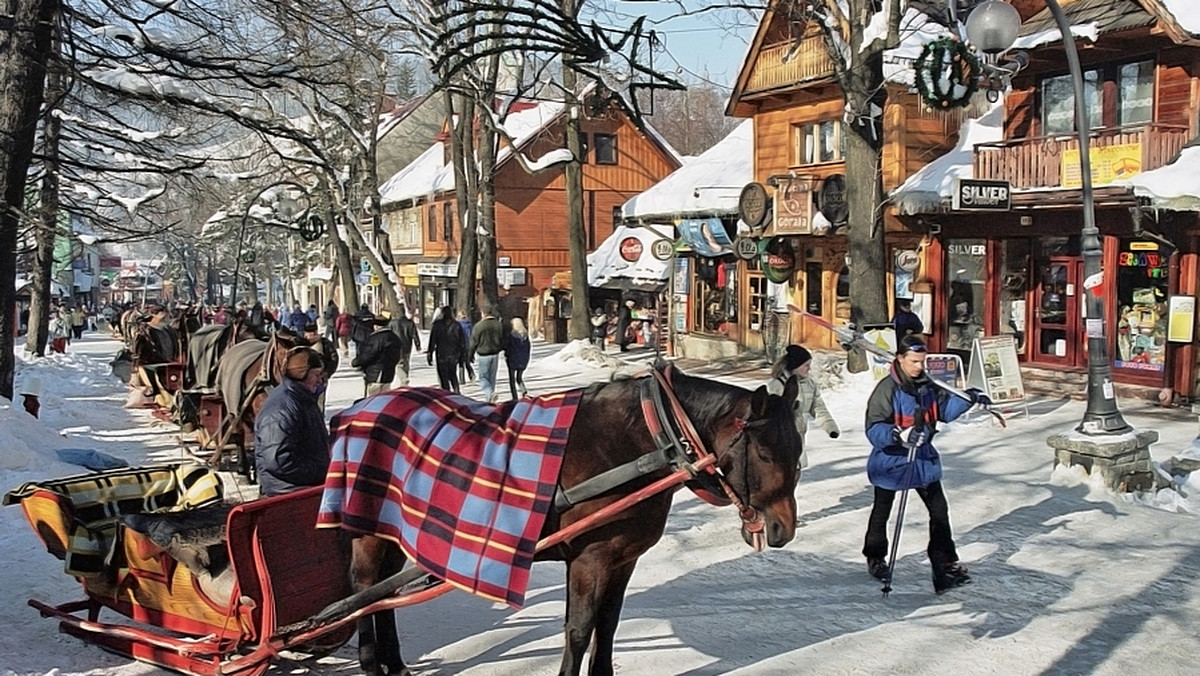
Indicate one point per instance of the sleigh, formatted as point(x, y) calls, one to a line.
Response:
point(196, 588)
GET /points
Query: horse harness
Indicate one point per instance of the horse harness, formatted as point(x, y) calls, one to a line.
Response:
point(677, 446)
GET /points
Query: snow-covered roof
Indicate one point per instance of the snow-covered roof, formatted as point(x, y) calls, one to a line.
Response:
point(1186, 12)
point(429, 174)
point(606, 263)
point(707, 185)
point(1173, 186)
point(930, 190)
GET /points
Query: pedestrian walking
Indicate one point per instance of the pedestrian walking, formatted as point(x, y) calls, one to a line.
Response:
point(901, 421)
point(330, 318)
point(796, 362)
point(487, 342)
point(465, 372)
point(599, 328)
point(377, 356)
point(516, 356)
point(343, 325)
point(448, 346)
point(406, 331)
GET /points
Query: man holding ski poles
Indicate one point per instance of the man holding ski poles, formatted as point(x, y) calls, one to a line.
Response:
point(902, 416)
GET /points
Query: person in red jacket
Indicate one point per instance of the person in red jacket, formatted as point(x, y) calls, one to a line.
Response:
point(344, 323)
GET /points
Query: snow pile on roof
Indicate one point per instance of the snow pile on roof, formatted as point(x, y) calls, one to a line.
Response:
point(708, 185)
point(427, 175)
point(1186, 12)
point(1088, 31)
point(931, 188)
point(606, 262)
point(1173, 186)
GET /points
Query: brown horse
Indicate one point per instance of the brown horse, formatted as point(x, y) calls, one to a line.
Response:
point(246, 374)
point(756, 447)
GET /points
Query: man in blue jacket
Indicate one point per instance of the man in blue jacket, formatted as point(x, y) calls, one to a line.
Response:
point(902, 415)
point(291, 439)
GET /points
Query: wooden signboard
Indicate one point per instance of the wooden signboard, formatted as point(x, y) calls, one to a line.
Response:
point(995, 370)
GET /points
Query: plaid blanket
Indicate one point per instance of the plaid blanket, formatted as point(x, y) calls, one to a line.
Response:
point(462, 486)
point(94, 504)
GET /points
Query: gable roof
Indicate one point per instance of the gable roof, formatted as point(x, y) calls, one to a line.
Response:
point(429, 174)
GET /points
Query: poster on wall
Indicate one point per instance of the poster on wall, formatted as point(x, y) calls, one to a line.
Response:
point(681, 281)
point(778, 296)
point(682, 312)
point(1181, 319)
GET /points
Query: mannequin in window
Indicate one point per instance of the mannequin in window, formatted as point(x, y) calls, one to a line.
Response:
point(961, 301)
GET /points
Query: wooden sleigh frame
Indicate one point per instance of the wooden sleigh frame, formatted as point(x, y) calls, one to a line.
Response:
point(281, 573)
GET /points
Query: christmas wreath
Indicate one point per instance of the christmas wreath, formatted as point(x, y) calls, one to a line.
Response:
point(947, 73)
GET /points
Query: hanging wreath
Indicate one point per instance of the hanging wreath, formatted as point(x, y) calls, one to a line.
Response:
point(947, 73)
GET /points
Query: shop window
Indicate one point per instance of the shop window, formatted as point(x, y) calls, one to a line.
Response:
point(432, 225)
point(967, 270)
point(813, 287)
point(758, 302)
point(715, 304)
point(841, 308)
point(1014, 286)
point(818, 142)
point(1141, 306)
point(606, 148)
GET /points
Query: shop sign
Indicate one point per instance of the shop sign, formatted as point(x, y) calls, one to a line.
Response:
point(793, 206)
point(631, 249)
point(364, 265)
point(110, 262)
point(972, 194)
point(907, 260)
point(833, 199)
point(994, 369)
point(1109, 163)
point(778, 267)
point(510, 277)
point(503, 261)
point(752, 205)
point(662, 249)
point(438, 269)
point(105, 282)
point(745, 248)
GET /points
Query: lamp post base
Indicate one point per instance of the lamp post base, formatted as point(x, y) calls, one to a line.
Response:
point(1122, 460)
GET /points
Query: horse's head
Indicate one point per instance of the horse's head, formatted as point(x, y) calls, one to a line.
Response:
point(758, 451)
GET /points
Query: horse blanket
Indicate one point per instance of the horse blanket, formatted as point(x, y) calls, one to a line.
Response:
point(231, 371)
point(463, 487)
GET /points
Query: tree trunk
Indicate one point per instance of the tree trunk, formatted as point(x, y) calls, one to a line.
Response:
point(466, 187)
point(46, 225)
point(863, 89)
point(24, 50)
point(573, 180)
point(487, 220)
point(345, 271)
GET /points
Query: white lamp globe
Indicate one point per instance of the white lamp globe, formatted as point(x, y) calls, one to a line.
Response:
point(993, 26)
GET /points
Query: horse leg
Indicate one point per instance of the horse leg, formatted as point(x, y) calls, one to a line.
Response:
point(374, 559)
point(595, 592)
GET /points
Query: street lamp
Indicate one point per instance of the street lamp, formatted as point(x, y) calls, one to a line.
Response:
point(285, 208)
point(992, 27)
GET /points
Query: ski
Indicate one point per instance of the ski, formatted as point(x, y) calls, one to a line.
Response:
point(849, 337)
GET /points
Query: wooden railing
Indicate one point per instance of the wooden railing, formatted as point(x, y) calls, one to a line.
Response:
point(1036, 162)
point(780, 66)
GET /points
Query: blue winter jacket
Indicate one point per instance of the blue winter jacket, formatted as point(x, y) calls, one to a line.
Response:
point(291, 440)
point(516, 352)
point(893, 405)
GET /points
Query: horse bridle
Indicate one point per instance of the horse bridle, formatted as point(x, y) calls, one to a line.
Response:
point(681, 449)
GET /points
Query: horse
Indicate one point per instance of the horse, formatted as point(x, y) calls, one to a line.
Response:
point(756, 450)
point(246, 374)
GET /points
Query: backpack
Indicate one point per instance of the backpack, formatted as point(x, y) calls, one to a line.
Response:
point(359, 330)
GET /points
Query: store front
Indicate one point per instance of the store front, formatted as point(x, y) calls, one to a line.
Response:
point(438, 287)
point(1033, 289)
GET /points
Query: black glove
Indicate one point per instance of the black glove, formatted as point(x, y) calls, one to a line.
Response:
point(835, 434)
point(430, 360)
point(978, 397)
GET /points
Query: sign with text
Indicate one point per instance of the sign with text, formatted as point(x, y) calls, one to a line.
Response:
point(509, 277)
point(437, 269)
point(994, 369)
point(1109, 163)
point(945, 368)
point(972, 194)
point(1181, 319)
point(793, 206)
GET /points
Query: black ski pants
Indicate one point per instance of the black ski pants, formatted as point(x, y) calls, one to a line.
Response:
point(941, 541)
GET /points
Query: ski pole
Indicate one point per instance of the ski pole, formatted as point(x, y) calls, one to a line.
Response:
point(908, 470)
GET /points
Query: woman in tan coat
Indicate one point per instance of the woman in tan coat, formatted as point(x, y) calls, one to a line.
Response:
point(796, 363)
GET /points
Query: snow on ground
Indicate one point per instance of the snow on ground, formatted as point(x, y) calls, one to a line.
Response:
point(1070, 578)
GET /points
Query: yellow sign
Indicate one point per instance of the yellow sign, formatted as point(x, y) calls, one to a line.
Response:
point(374, 280)
point(1109, 163)
point(1181, 320)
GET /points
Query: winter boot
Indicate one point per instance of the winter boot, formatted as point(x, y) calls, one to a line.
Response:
point(878, 568)
point(949, 576)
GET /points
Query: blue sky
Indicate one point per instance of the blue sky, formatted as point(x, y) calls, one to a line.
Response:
point(706, 46)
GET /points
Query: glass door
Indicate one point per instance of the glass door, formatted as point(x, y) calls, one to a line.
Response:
point(1056, 319)
point(756, 317)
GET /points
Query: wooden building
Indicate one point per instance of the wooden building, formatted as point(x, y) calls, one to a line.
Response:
point(621, 160)
point(1020, 270)
point(787, 86)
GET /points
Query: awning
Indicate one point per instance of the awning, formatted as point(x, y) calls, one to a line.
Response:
point(706, 236)
point(627, 284)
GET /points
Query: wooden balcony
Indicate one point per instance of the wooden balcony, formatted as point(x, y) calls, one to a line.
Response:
point(775, 68)
point(1037, 162)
